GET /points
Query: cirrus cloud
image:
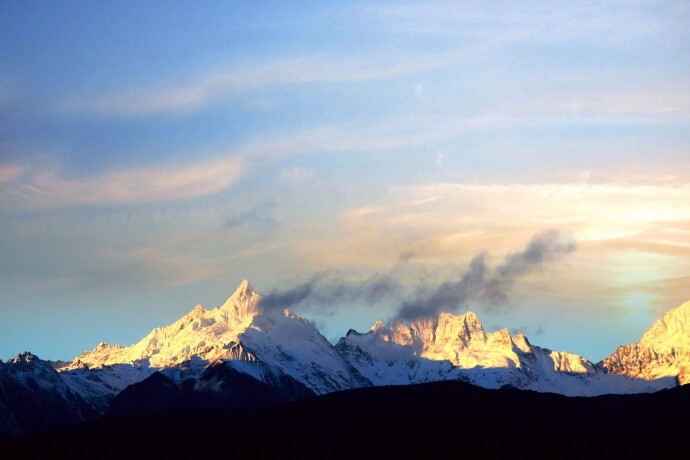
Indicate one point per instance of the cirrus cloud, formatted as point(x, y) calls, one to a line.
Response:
point(50, 189)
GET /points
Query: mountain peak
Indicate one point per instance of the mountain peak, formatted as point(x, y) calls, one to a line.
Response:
point(671, 330)
point(378, 325)
point(663, 351)
point(245, 288)
point(25, 357)
point(681, 313)
point(244, 302)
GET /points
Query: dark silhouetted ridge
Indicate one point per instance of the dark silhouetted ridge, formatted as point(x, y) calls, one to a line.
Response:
point(419, 421)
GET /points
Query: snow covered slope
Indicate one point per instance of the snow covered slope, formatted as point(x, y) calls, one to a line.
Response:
point(33, 397)
point(242, 342)
point(449, 347)
point(663, 351)
point(200, 333)
point(264, 344)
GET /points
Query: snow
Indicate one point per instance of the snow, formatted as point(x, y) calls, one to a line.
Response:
point(264, 344)
point(270, 343)
point(450, 347)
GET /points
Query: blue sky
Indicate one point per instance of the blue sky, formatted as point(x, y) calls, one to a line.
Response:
point(152, 156)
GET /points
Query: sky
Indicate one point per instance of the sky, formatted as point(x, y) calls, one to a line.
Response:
point(356, 161)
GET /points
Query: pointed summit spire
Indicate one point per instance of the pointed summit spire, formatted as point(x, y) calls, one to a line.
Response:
point(245, 288)
point(244, 301)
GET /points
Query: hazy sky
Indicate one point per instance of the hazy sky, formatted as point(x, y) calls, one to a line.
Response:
point(153, 155)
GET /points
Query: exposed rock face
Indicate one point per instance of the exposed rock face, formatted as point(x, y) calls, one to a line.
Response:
point(663, 351)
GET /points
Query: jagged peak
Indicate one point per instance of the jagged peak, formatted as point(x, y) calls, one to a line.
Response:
point(378, 325)
point(468, 323)
point(468, 318)
point(471, 316)
point(352, 332)
point(471, 319)
point(105, 346)
point(292, 315)
point(520, 341)
point(25, 357)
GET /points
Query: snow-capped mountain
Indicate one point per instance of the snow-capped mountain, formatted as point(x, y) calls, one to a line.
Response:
point(34, 397)
point(200, 333)
point(266, 344)
point(663, 351)
point(240, 352)
point(450, 347)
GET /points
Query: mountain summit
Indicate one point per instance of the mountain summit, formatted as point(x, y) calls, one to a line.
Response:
point(456, 347)
point(268, 345)
point(244, 303)
point(663, 351)
point(240, 352)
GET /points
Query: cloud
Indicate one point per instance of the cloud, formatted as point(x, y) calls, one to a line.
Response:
point(295, 176)
point(542, 248)
point(479, 283)
point(327, 290)
point(405, 256)
point(525, 21)
point(298, 70)
point(259, 217)
point(9, 172)
point(628, 229)
point(401, 133)
point(145, 267)
point(48, 189)
point(595, 212)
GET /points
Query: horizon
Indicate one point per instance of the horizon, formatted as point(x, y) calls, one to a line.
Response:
point(356, 162)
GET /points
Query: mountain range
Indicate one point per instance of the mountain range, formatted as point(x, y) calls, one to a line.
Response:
point(241, 355)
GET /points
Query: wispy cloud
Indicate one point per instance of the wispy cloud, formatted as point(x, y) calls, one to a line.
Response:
point(630, 228)
point(596, 209)
point(257, 218)
point(291, 71)
point(9, 172)
point(49, 189)
point(296, 176)
point(603, 22)
point(145, 267)
point(443, 219)
point(439, 224)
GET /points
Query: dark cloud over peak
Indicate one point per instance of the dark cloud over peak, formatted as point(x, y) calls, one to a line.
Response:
point(479, 283)
point(490, 287)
